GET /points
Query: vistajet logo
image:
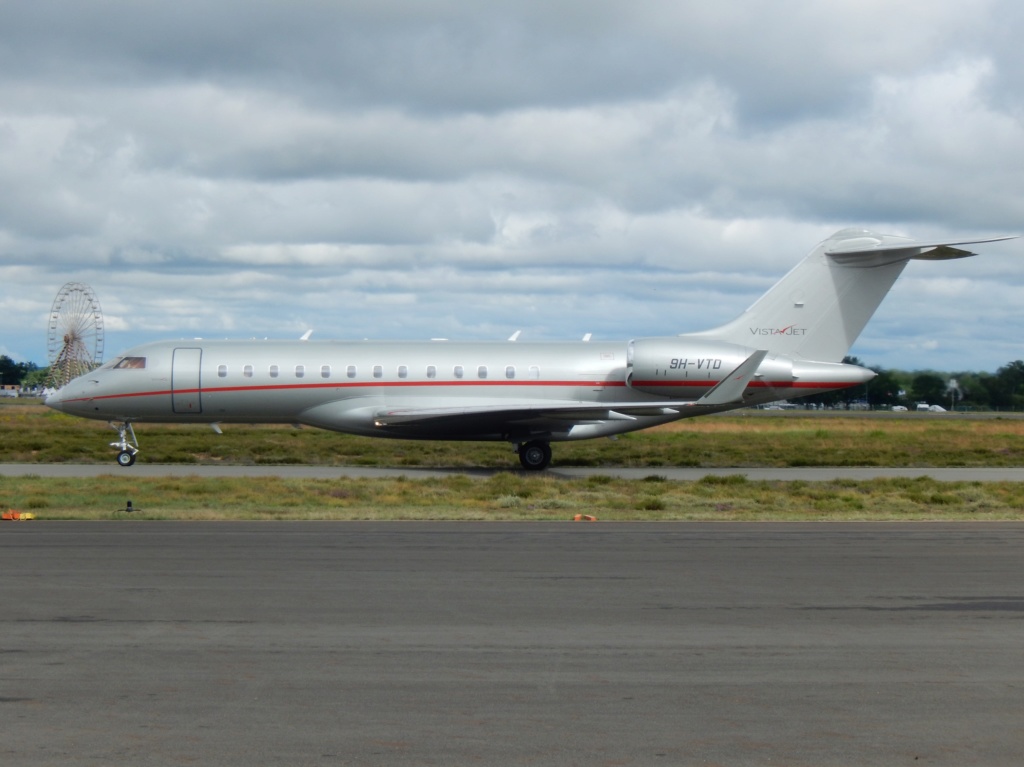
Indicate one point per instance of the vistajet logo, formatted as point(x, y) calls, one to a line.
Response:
point(791, 330)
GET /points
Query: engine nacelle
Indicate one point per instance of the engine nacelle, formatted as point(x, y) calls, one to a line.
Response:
point(687, 369)
point(682, 368)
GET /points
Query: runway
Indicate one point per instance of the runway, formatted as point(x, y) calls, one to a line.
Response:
point(501, 644)
point(685, 474)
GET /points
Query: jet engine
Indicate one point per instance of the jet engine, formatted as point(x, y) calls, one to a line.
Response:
point(686, 368)
point(679, 367)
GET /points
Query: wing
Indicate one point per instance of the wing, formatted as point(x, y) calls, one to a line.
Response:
point(494, 418)
point(508, 412)
point(435, 417)
point(559, 416)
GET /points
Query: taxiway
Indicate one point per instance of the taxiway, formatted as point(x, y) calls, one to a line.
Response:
point(151, 643)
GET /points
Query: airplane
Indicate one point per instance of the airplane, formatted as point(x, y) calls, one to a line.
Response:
point(790, 343)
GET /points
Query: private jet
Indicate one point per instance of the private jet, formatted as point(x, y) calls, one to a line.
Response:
point(790, 343)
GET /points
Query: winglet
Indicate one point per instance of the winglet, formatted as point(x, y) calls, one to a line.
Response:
point(730, 389)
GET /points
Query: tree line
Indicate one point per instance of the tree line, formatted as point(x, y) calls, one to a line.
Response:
point(21, 374)
point(1002, 390)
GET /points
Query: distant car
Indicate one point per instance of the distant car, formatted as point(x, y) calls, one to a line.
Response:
point(899, 409)
point(8, 392)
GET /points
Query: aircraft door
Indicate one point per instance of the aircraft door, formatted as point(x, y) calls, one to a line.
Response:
point(185, 381)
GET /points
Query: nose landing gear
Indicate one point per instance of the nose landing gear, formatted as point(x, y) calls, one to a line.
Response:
point(534, 455)
point(127, 445)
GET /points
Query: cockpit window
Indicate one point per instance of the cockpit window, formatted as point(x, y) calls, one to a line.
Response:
point(130, 363)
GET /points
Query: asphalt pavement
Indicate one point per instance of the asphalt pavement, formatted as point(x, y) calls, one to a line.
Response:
point(151, 643)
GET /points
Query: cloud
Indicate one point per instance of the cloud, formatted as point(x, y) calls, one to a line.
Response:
point(400, 169)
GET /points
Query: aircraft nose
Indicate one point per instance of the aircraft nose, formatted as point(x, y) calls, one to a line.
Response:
point(54, 400)
point(72, 398)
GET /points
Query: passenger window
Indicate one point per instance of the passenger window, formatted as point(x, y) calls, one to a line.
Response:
point(325, 371)
point(247, 371)
point(300, 371)
point(403, 371)
point(534, 372)
point(222, 371)
point(378, 371)
point(275, 371)
point(510, 371)
point(481, 372)
point(350, 371)
point(431, 371)
point(458, 371)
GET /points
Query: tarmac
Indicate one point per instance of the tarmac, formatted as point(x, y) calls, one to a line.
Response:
point(152, 643)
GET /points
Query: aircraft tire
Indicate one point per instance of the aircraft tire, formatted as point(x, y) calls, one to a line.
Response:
point(535, 455)
point(126, 458)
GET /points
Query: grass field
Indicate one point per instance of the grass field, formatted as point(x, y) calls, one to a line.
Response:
point(508, 496)
point(29, 433)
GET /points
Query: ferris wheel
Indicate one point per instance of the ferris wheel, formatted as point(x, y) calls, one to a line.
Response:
point(75, 334)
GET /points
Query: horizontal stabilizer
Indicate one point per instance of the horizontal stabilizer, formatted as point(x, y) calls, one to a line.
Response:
point(872, 251)
point(730, 389)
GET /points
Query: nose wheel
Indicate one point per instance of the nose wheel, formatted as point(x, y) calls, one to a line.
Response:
point(128, 445)
point(535, 455)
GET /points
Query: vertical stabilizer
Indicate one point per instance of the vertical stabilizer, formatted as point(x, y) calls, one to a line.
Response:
point(817, 310)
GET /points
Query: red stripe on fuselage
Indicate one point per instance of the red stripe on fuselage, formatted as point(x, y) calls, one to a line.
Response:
point(417, 384)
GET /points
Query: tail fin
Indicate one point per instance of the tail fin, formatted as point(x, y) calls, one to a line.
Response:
point(817, 310)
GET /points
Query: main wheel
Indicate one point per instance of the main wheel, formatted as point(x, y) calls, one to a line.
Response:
point(535, 455)
point(126, 458)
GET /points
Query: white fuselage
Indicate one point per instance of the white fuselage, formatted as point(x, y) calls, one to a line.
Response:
point(439, 389)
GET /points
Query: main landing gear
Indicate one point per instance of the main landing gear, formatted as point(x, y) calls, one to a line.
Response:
point(534, 455)
point(128, 445)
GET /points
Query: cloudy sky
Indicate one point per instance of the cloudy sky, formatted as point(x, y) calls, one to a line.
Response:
point(426, 168)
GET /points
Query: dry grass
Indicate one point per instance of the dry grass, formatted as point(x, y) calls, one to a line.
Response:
point(512, 497)
point(31, 433)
